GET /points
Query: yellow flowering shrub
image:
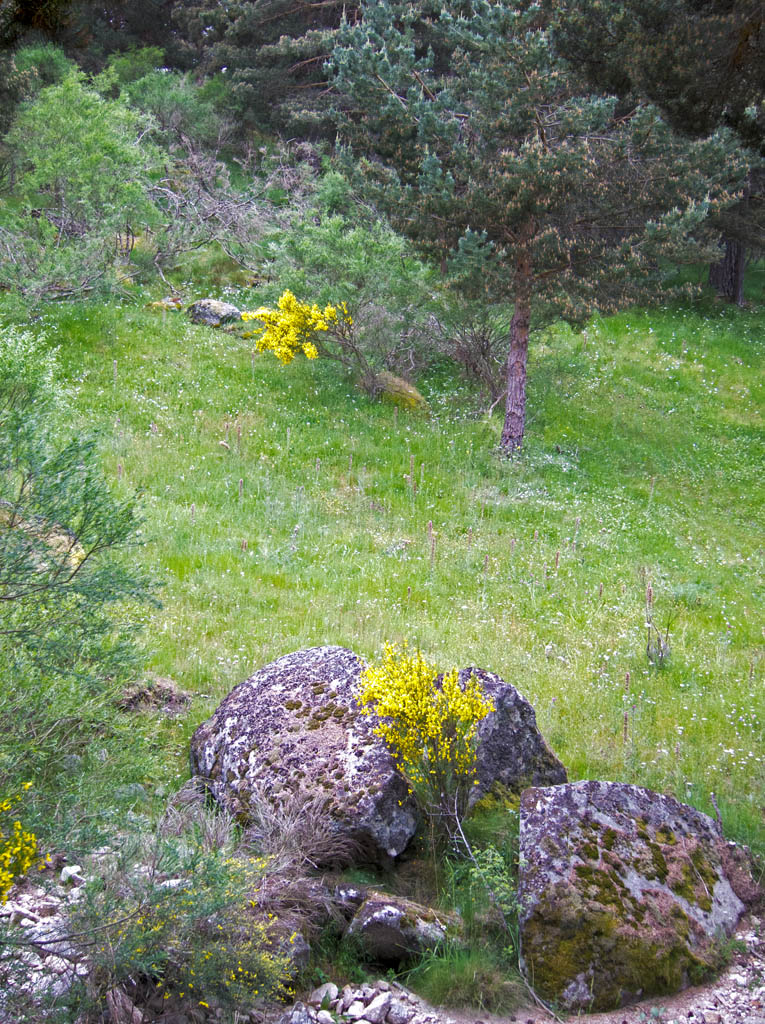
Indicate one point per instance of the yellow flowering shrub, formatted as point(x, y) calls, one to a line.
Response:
point(429, 722)
point(18, 848)
point(200, 937)
point(294, 325)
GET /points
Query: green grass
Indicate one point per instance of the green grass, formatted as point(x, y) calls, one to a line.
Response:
point(643, 465)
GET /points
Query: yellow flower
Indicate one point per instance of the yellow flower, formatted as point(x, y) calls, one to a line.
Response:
point(291, 327)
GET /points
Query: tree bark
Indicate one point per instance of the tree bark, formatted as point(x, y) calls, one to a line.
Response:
point(727, 276)
point(515, 406)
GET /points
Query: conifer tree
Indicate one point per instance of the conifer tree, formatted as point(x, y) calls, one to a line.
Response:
point(486, 151)
point(274, 53)
point(702, 62)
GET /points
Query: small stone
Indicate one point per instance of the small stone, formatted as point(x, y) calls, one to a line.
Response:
point(399, 1012)
point(356, 1010)
point(324, 1017)
point(72, 873)
point(46, 909)
point(326, 993)
point(378, 1008)
point(382, 985)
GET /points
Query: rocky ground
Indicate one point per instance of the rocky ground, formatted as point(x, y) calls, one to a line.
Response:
point(736, 997)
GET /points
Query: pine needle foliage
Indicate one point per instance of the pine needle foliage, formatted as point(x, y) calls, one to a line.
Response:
point(487, 151)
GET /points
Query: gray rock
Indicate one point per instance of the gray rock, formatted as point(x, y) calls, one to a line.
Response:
point(299, 1014)
point(324, 993)
point(324, 1017)
point(392, 929)
point(348, 899)
point(356, 1010)
point(399, 1012)
point(378, 1008)
point(511, 750)
point(298, 951)
point(295, 727)
point(72, 873)
point(348, 996)
point(624, 893)
point(212, 312)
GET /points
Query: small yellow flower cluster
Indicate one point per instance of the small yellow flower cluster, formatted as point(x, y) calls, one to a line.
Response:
point(292, 326)
point(179, 939)
point(429, 722)
point(18, 847)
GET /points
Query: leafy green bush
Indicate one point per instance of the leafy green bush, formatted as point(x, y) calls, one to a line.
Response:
point(185, 111)
point(338, 248)
point(24, 73)
point(81, 177)
point(187, 927)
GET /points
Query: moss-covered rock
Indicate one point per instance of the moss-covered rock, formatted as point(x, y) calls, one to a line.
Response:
point(624, 893)
point(398, 391)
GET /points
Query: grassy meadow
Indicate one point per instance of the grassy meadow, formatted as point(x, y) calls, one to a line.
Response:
point(283, 509)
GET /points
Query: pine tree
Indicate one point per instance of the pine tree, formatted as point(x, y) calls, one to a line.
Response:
point(274, 53)
point(486, 151)
point(702, 62)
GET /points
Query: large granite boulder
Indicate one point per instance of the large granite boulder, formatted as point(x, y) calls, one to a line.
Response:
point(213, 312)
point(511, 751)
point(296, 727)
point(624, 893)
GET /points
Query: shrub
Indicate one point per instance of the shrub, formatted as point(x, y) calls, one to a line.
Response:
point(65, 584)
point(296, 326)
point(429, 721)
point(18, 847)
point(293, 326)
point(188, 927)
point(82, 170)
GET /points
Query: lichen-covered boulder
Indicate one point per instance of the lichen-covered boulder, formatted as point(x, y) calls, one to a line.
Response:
point(392, 929)
point(212, 312)
point(511, 750)
point(295, 727)
point(624, 893)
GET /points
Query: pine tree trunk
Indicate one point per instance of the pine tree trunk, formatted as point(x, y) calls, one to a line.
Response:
point(515, 407)
point(727, 276)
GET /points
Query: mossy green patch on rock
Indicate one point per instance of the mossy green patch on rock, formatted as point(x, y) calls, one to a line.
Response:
point(595, 963)
point(623, 894)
